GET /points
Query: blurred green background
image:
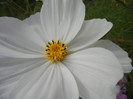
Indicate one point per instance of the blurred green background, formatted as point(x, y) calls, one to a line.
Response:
point(119, 12)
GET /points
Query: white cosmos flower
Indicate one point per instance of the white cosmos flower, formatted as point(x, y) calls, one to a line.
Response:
point(90, 69)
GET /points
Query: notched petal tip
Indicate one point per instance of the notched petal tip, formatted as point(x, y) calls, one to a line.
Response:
point(91, 31)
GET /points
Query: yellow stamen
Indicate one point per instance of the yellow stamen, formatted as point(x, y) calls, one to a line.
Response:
point(55, 51)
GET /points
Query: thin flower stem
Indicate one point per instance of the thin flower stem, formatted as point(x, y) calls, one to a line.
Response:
point(124, 40)
point(16, 8)
point(18, 5)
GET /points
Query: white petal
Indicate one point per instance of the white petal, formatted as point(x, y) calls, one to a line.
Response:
point(50, 81)
point(5, 90)
point(11, 69)
point(62, 19)
point(33, 20)
point(109, 91)
point(7, 50)
point(97, 70)
point(35, 23)
point(17, 38)
point(119, 53)
point(91, 31)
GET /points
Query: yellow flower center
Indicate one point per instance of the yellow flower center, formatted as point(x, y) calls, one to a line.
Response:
point(55, 51)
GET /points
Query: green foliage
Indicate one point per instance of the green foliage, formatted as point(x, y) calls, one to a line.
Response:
point(19, 8)
point(119, 12)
